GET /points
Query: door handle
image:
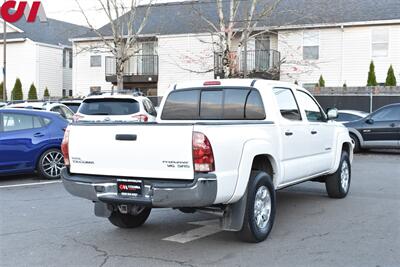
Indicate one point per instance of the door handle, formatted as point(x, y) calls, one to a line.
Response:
point(288, 133)
point(314, 132)
point(126, 137)
point(38, 135)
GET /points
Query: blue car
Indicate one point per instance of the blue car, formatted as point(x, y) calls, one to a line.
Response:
point(30, 141)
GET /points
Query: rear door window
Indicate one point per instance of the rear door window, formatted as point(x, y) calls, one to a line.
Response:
point(287, 104)
point(18, 122)
point(215, 104)
point(109, 107)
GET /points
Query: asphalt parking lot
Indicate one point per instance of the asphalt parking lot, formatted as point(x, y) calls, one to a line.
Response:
point(42, 225)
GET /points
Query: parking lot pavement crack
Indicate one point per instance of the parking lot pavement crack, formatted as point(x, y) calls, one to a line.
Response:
point(106, 255)
point(314, 236)
point(102, 253)
point(181, 263)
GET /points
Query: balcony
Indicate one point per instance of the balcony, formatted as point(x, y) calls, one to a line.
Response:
point(140, 70)
point(264, 64)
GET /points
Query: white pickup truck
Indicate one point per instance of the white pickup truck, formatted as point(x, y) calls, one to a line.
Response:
point(222, 147)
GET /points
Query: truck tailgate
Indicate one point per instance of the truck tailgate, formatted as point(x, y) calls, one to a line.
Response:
point(132, 150)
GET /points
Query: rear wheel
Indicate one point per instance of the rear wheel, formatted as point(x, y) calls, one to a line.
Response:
point(50, 164)
point(260, 208)
point(130, 220)
point(338, 184)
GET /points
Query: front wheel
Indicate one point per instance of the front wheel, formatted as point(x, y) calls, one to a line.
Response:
point(260, 208)
point(50, 164)
point(338, 184)
point(135, 220)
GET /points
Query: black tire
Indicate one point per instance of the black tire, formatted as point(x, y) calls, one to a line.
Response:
point(251, 232)
point(335, 184)
point(129, 221)
point(356, 141)
point(50, 164)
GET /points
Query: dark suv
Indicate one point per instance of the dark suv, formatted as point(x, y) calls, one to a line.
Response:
point(380, 129)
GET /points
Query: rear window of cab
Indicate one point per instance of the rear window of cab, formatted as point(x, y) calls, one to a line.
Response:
point(214, 104)
point(109, 107)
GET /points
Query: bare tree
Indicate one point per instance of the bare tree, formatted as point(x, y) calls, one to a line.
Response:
point(127, 22)
point(237, 19)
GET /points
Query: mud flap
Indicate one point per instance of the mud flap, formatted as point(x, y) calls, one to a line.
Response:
point(234, 215)
point(102, 210)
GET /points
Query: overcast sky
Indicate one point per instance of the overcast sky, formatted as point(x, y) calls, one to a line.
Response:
point(68, 10)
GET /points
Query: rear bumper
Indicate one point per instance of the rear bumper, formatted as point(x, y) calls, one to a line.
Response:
point(200, 192)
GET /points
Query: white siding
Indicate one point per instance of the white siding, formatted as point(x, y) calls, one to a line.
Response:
point(21, 63)
point(183, 58)
point(84, 76)
point(344, 56)
point(49, 70)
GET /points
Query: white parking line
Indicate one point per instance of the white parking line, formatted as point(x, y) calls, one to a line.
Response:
point(209, 228)
point(30, 184)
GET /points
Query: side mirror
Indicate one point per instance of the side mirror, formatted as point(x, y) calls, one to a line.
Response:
point(370, 121)
point(332, 113)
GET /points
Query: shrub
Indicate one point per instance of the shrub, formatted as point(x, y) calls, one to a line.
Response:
point(46, 93)
point(17, 93)
point(32, 95)
point(296, 82)
point(321, 82)
point(391, 78)
point(344, 85)
point(371, 75)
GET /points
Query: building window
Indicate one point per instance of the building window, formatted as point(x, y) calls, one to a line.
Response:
point(380, 42)
point(67, 58)
point(70, 59)
point(70, 93)
point(64, 93)
point(95, 61)
point(311, 45)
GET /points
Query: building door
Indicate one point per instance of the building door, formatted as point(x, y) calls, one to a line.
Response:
point(262, 54)
point(148, 58)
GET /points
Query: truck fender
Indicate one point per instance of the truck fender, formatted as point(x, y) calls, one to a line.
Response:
point(251, 149)
point(342, 138)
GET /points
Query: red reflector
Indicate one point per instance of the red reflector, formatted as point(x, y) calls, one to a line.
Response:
point(210, 83)
point(65, 148)
point(203, 157)
point(141, 118)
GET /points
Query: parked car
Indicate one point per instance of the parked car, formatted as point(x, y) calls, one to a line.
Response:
point(30, 141)
point(380, 129)
point(350, 115)
point(222, 147)
point(3, 104)
point(116, 107)
point(59, 108)
point(72, 104)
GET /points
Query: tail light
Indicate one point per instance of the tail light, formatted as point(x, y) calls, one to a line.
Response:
point(77, 117)
point(203, 157)
point(141, 118)
point(64, 147)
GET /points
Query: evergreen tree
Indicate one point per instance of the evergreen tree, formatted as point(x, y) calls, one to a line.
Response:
point(17, 93)
point(1, 92)
point(391, 78)
point(321, 82)
point(46, 93)
point(32, 95)
point(371, 75)
point(296, 82)
point(344, 85)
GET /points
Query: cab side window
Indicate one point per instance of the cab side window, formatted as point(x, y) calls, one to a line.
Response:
point(312, 109)
point(17, 122)
point(287, 104)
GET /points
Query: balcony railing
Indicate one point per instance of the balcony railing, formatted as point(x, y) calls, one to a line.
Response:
point(256, 63)
point(136, 65)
